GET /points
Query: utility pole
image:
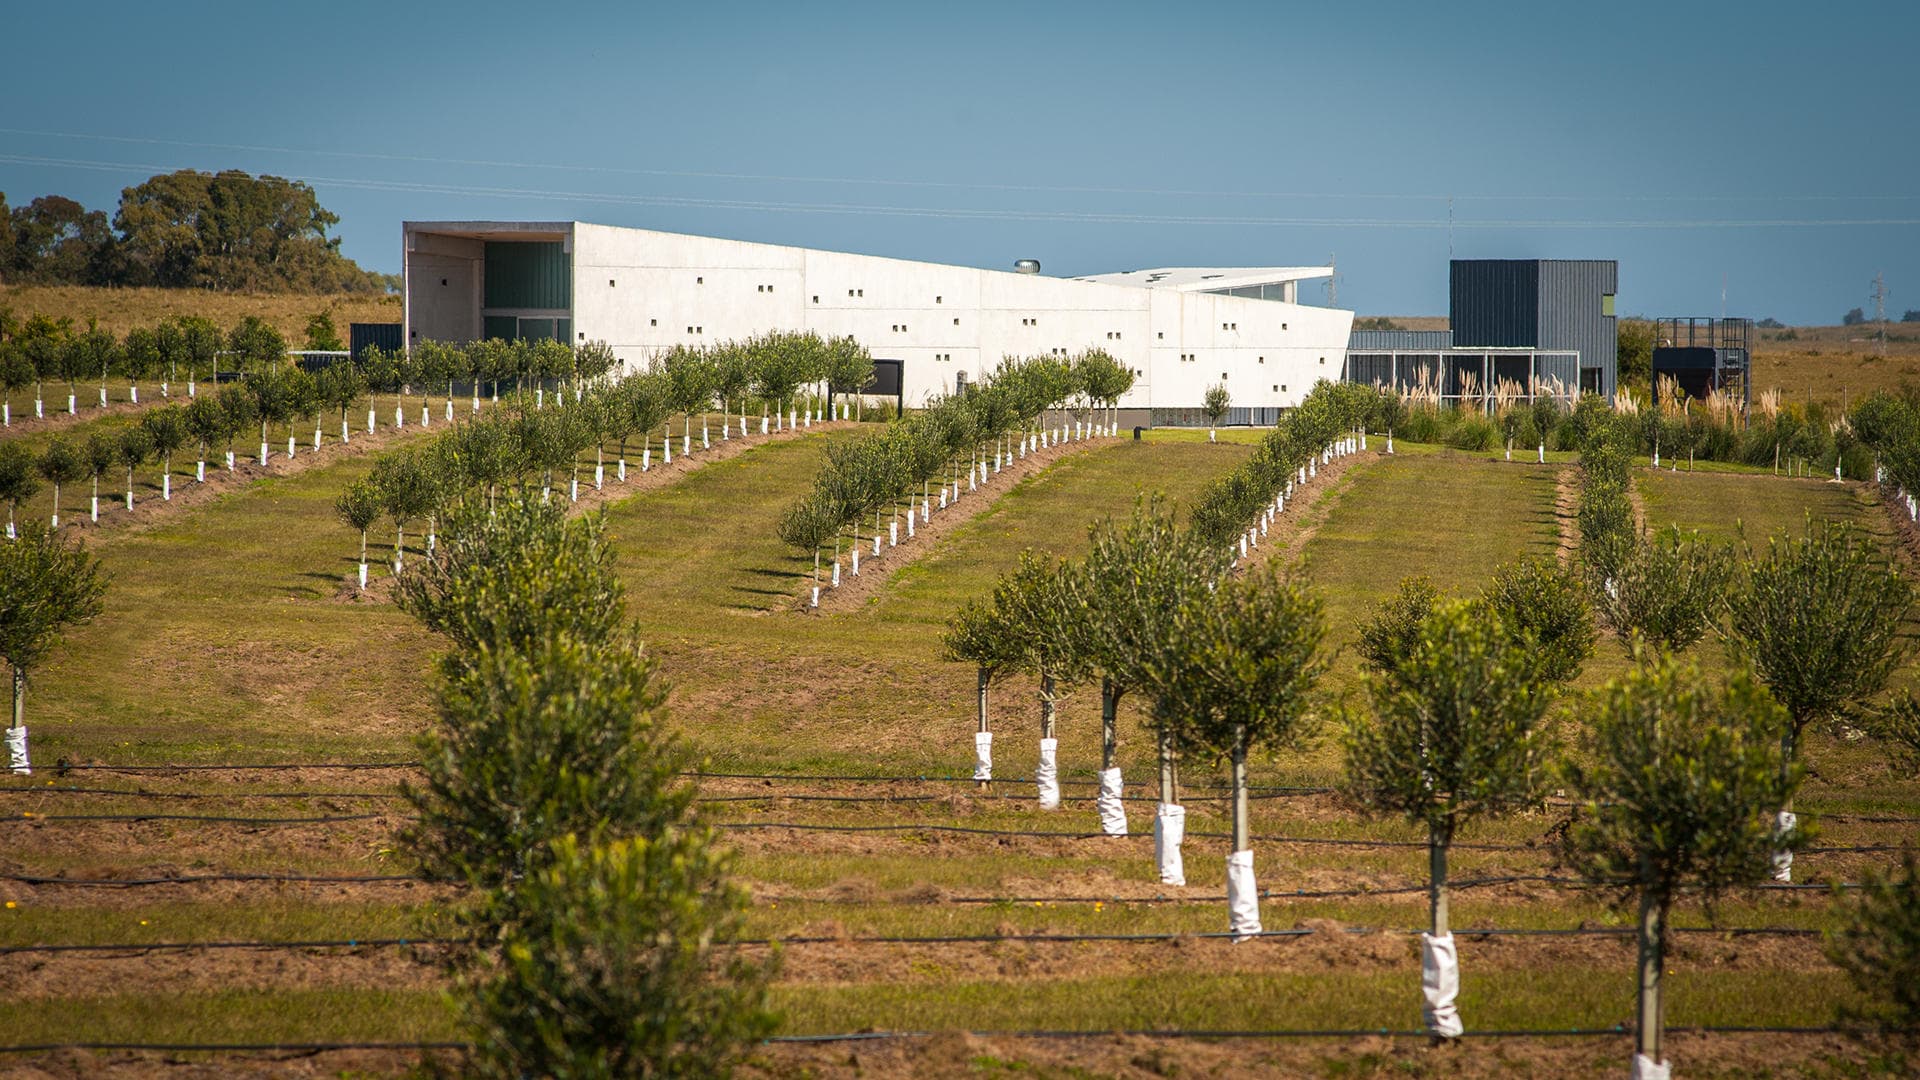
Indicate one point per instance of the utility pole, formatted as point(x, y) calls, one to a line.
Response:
point(1333, 281)
point(1880, 309)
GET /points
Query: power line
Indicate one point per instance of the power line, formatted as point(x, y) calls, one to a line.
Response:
point(984, 214)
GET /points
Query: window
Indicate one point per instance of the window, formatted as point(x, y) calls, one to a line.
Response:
point(583, 335)
point(849, 294)
point(1606, 303)
point(653, 322)
point(1223, 376)
point(699, 281)
point(936, 299)
point(1276, 388)
point(689, 329)
point(860, 292)
point(1283, 388)
point(956, 322)
point(699, 329)
point(611, 283)
point(443, 283)
point(769, 288)
point(759, 288)
point(1323, 359)
point(1283, 326)
point(816, 299)
point(1162, 335)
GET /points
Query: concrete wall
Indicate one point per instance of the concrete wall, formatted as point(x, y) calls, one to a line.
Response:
point(643, 292)
point(443, 281)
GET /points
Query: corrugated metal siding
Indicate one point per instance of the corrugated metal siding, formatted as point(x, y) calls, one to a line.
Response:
point(528, 275)
point(1400, 340)
point(361, 336)
point(1494, 302)
point(1571, 315)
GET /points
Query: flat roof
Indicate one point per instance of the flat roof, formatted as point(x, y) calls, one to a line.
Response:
point(1208, 278)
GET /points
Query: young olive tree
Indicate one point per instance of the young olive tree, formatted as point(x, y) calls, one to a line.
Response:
point(1391, 633)
point(60, 464)
point(1035, 604)
point(1456, 731)
point(1677, 785)
point(47, 586)
point(1820, 617)
point(19, 480)
point(1215, 405)
point(1544, 603)
point(975, 636)
point(1879, 949)
point(132, 450)
point(1134, 576)
point(101, 449)
point(359, 506)
point(1668, 589)
point(1239, 665)
point(166, 429)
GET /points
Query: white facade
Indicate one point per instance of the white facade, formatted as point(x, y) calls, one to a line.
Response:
point(643, 292)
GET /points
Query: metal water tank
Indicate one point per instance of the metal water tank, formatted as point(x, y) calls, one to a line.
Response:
point(1026, 266)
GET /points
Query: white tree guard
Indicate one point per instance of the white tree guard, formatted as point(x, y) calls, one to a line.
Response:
point(1113, 811)
point(1440, 985)
point(983, 755)
point(836, 573)
point(646, 458)
point(1046, 775)
point(17, 752)
point(1645, 1068)
point(1169, 829)
point(1783, 859)
point(1243, 896)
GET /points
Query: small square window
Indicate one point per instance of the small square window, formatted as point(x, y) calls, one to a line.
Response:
point(849, 294)
point(1276, 388)
point(1283, 326)
point(862, 292)
point(936, 299)
point(816, 299)
point(653, 322)
point(699, 281)
point(689, 329)
point(1283, 388)
point(699, 329)
point(443, 282)
point(956, 322)
point(583, 335)
point(769, 288)
point(611, 283)
point(1223, 376)
point(1323, 359)
point(1163, 335)
point(1263, 359)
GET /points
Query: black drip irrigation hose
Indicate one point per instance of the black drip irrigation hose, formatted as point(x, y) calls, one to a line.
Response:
point(141, 793)
point(908, 827)
point(65, 767)
point(196, 879)
point(1040, 937)
point(1617, 1031)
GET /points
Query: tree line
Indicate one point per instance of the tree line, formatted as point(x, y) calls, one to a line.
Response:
point(974, 430)
point(229, 231)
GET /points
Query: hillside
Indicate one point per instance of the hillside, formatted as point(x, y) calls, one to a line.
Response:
point(120, 310)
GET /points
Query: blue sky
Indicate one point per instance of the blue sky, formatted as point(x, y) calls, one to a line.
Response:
point(1094, 137)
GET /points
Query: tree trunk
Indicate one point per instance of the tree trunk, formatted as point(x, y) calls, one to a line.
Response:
point(1046, 706)
point(1653, 954)
point(1242, 832)
point(1438, 839)
point(1169, 779)
point(986, 679)
point(1109, 708)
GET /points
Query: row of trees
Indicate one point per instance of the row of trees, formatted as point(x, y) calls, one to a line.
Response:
point(37, 350)
point(977, 431)
point(1232, 508)
point(186, 229)
point(597, 906)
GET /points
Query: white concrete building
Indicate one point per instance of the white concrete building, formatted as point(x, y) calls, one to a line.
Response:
point(1182, 330)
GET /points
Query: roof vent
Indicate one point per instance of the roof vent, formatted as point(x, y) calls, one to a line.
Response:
point(1026, 266)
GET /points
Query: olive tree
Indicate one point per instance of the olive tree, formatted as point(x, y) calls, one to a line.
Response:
point(1820, 617)
point(1035, 604)
point(19, 479)
point(47, 586)
point(1134, 576)
point(60, 464)
point(1544, 603)
point(206, 423)
point(974, 635)
point(806, 527)
point(166, 429)
point(1215, 405)
point(1879, 949)
point(359, 506)
point(1391, 632)
point(1677, 785)
point(1668, 589)
point(1239, 665)
point(102, 449)
point(1456, 731)
point(132, 450)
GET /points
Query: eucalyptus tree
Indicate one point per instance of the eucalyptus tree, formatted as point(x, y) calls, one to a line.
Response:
point(19, 480)
point(1821, 618)
point(1239, 665)
point(101, 450)
point(206, 422)
point(1134, 576)
point(133, 449)
point(1456, 731)
point(140, 358)
point(200, 345)
point(166, 428)
point(1677, 784)
point(47, 586)
point(340, 385)
point(1544, 603)
point(1669, 589)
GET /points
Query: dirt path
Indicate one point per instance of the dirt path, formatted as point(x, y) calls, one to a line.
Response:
point(1296, 526)
point(1566, 513)
point(854, 592)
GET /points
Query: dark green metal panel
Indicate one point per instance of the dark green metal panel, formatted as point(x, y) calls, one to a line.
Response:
point(505, 327)
point(528, 275)
point(536, 329)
